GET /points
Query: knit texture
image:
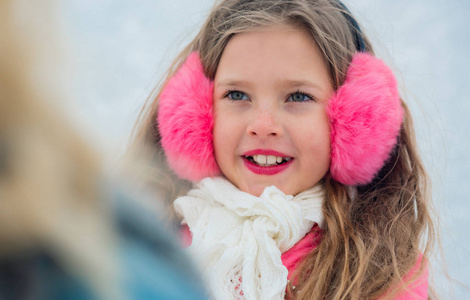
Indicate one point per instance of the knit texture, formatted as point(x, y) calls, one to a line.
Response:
point(293, 257)
point(239, 238)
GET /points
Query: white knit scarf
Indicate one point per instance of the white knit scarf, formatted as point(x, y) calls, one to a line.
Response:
point(238, 238)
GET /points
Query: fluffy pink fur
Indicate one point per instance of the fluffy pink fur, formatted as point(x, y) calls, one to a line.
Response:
point(365, 116)
point(185, 122)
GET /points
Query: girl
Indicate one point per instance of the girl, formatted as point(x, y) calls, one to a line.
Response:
point(308, 184)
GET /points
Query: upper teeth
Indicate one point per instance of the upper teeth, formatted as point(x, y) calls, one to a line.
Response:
point(268, 160)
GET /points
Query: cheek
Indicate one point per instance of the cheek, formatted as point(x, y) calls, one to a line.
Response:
point(324, 139)
point(218, 139)
point(318, 142)
point(225, 138)
point(228, 126)
point(218, 129)
point(319, 149)
point(325, 148)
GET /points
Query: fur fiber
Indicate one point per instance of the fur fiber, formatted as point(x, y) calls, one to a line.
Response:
point(185, 121)
point(365, 119)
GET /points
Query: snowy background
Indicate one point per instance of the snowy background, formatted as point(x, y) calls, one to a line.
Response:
point(120, 48)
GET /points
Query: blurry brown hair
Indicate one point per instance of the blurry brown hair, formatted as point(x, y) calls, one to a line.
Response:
point(48, 175)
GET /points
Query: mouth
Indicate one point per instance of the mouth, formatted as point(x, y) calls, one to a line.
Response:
point(267, 160)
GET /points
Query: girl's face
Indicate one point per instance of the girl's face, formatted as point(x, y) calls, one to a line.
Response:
point(270, 96)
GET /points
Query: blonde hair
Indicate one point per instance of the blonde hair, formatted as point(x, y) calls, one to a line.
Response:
point(369, 243)
point(50, 197)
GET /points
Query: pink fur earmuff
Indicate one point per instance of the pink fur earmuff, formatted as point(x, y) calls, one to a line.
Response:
point(365, 118)
point(185, 121)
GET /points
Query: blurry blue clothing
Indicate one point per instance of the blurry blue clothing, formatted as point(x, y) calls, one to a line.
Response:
point(153, 265)
point(160, 268)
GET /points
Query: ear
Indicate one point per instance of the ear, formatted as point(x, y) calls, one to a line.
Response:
point(185, 122)
point(365, 119)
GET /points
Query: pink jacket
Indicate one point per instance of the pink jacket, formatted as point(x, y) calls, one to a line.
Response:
point(418, 290)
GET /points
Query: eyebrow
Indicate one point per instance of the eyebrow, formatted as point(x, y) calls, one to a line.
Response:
point(298, 83)
point(282, 83)
point(231, 82)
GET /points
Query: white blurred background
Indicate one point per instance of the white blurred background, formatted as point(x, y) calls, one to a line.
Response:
point(119, 49)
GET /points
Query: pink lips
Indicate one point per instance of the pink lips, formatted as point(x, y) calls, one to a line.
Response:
point(272, 170)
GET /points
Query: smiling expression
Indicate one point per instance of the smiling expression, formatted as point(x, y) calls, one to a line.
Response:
point(271, 91)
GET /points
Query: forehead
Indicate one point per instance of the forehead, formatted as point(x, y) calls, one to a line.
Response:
point(283, 50)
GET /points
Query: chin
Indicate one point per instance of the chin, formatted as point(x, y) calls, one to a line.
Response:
point(258, 190)
point(255, 190)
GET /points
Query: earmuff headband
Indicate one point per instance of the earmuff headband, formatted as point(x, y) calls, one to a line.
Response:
point(356, 30)
point(365, 116)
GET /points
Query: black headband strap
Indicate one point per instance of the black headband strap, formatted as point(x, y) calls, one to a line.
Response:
point(360, 44)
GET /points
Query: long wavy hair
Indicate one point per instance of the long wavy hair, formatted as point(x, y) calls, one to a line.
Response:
point(371, 240)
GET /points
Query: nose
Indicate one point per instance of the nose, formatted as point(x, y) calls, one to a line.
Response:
point(264, 123)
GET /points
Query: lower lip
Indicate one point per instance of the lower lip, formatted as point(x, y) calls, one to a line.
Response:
point(272, 170)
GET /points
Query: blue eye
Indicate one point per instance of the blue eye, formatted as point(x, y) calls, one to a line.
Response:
point(299, 97)
point(236, 95)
